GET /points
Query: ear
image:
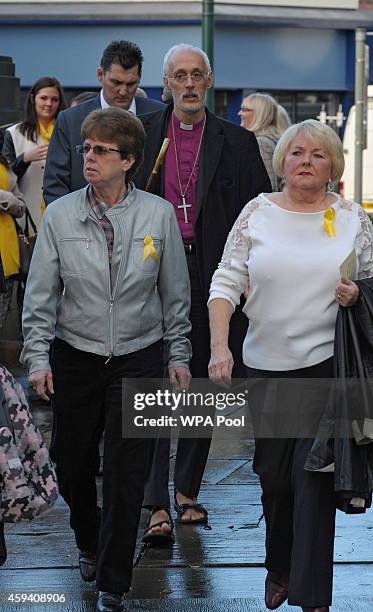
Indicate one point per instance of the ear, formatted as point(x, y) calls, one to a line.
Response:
point(128, 163)
point(100, 74)
point(210, 80)
point(166, 82)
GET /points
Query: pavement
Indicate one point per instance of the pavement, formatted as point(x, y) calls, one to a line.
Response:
point(216, 568)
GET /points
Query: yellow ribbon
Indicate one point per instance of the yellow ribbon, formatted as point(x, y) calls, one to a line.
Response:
point(149, 248)
point(329, 217)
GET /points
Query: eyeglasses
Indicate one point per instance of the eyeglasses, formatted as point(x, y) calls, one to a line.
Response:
point(245, 109)
point(181, 77)
point(97, 149)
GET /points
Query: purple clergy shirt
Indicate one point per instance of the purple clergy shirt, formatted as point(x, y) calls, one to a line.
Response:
point(187, 142)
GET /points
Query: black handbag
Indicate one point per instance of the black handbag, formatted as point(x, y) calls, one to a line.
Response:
point(26, 244)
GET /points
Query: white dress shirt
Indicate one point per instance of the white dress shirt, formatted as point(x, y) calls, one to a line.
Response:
point(104, 104)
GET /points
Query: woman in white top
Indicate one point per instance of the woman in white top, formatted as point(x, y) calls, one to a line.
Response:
point(287, 247)
point(258, 113)
point(26, 143)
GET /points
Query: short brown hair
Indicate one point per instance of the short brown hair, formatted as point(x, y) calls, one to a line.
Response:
point(121, 127)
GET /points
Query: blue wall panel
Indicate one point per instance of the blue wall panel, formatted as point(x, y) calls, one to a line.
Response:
point(245, 57)
point(72, 53)
point(281, 58)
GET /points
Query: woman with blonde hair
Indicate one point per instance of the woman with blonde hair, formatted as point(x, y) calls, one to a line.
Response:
point(288, 248)
point(258, 113)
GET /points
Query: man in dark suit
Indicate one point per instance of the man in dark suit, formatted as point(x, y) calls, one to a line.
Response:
point(212, 168)
point(119, 74)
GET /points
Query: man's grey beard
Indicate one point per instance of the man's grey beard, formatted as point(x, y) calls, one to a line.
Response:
point(193, 111)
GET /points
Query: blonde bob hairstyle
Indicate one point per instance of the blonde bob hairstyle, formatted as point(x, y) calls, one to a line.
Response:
point(320, 134)
point(265, 114)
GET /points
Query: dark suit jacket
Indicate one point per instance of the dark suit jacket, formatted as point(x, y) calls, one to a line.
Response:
point(231, 173)
point(64, 166)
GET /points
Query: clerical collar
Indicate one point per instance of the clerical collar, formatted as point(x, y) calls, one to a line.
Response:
point(187, 126)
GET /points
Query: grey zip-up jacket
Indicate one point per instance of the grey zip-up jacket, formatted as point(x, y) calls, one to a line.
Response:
point(69, 293)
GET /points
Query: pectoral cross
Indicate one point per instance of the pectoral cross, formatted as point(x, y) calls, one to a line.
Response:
point(184, 206)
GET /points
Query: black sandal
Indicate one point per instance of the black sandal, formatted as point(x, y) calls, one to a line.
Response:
point(159, 539)
point(182, 508)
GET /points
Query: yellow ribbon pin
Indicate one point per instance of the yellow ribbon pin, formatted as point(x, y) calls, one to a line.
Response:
point(329, 217)
point(149, 248)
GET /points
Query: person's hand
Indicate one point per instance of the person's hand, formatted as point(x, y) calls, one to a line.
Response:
point(221, 366)
point(42, 381)
point(37, 154)
point(347, 292)
point(180, 377)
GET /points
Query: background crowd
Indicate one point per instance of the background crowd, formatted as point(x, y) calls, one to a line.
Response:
point(237, 224)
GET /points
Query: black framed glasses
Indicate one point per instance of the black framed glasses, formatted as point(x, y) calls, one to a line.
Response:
point(97, 149)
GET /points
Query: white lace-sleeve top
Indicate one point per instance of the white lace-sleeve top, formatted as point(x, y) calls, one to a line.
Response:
point(291, 266)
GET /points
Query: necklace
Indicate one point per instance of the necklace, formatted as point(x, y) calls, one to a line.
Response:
point(184, 205)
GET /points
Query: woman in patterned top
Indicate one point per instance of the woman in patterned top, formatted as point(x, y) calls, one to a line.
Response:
point(287, 247)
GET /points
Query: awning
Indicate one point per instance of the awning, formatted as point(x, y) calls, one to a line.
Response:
point(182, 12)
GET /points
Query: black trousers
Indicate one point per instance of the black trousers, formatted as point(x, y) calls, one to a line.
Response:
point(88, 401)
point(192, 453)
point(299, 506)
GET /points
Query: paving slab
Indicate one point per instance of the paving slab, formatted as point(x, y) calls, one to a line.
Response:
point(214, 569)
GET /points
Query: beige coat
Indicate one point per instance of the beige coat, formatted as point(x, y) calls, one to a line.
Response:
point(31, 183)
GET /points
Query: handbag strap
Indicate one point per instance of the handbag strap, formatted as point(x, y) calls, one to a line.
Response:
point(2, 277)
point(33, 226)
point(19, 229)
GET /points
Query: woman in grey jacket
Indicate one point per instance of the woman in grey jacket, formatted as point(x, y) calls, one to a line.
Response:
point(108, 285)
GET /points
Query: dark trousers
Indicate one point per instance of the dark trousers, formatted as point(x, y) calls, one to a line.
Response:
point(88, 401)
point(192, 453)
point(299, 506)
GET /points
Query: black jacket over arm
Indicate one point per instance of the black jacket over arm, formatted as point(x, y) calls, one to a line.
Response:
point(341, 438)
point(231, 172)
